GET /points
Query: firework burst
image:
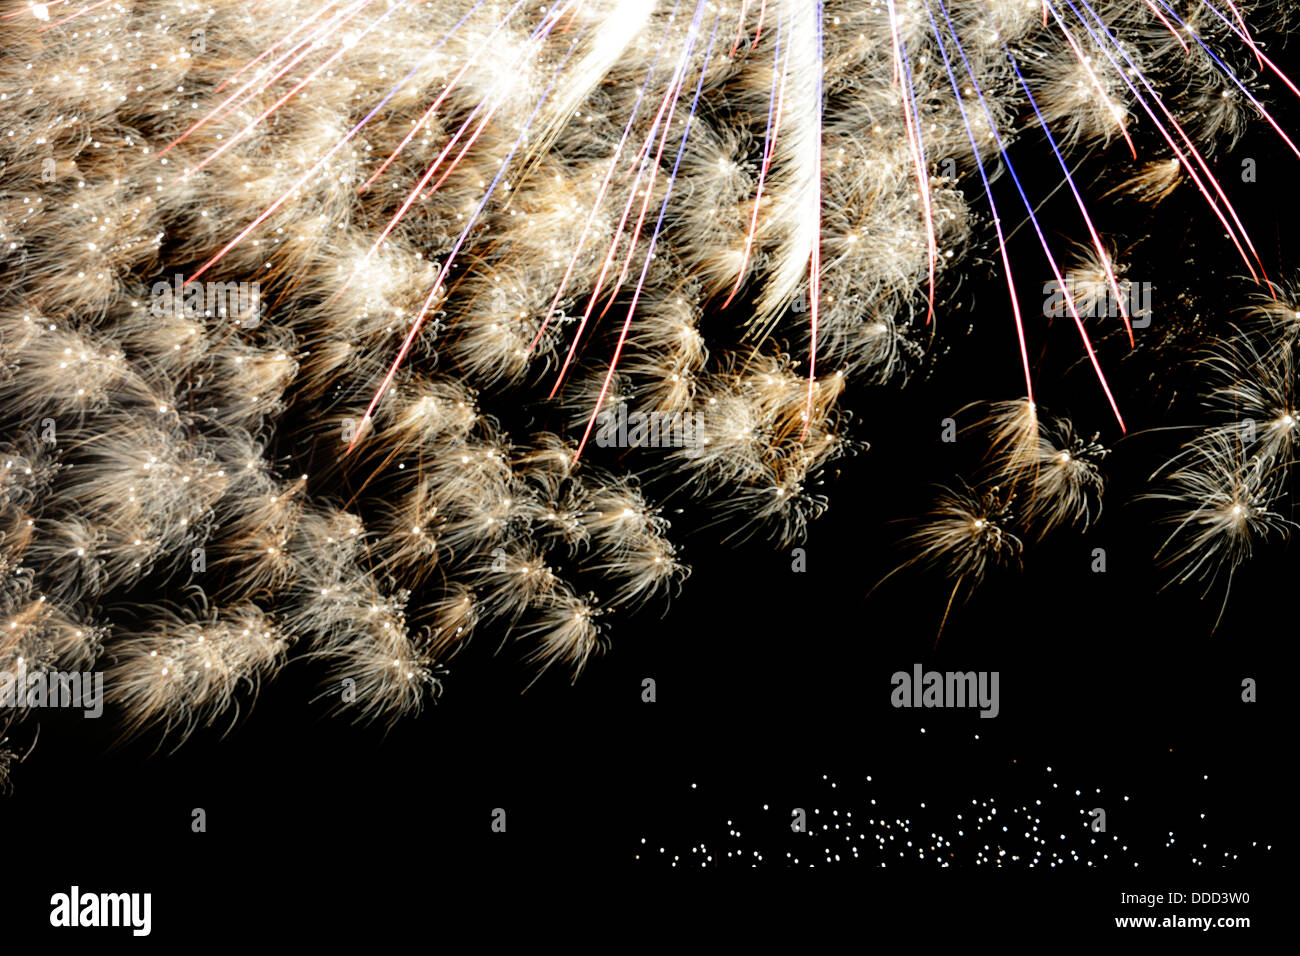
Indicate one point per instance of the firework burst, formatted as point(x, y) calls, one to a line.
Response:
point(310, 309)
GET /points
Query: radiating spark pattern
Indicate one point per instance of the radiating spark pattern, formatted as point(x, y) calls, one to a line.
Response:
point(311, 326)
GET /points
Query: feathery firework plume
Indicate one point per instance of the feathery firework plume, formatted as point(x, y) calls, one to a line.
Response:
point(1224, 493)
point(1222, 510)
point(310, 311)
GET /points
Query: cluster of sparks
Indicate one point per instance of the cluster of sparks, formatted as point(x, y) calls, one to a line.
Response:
point(808, 17)
point(547, 201)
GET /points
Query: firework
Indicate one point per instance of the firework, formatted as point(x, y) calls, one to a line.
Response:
point(310, 309)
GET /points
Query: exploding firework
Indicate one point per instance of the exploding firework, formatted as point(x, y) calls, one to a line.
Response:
point(312, 308)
